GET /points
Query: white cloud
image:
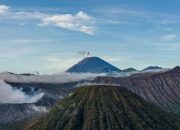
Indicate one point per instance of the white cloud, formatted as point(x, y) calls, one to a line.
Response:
point(169, 37)
point(3, 9)
point(78, 22)
point(11, 95)
point(55, 78)
point(40, 109)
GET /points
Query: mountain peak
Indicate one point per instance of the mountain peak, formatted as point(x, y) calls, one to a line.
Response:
point(152, 68)
point(103, 108)
point(93, 65)
point(129, 70)
point(176, 70)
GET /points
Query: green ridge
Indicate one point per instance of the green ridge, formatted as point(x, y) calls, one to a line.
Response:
point(102, 108)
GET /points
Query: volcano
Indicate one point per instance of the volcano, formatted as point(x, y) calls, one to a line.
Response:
point(101, 107)
point(93, 65)
point(161, 88)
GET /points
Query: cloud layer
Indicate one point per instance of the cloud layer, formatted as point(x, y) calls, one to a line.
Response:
point(11, 95)
point(3, 9)
point(79, 22)
point(56, 78)
point(40, 109)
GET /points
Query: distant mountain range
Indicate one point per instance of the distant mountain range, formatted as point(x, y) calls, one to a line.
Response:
point(158, 86)
point(98, 65)
point(129, 70)
point(95, 65)
point(102, 108)
point(161, 88)
point(152, 68)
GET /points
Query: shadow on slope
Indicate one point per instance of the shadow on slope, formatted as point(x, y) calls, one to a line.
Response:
point(102, 108)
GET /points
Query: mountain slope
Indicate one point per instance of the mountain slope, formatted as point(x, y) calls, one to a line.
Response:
point(129, 70)
point(152, 68)
point(161, 88)
point(52, 94)
point(92, 65)
point(103, 108)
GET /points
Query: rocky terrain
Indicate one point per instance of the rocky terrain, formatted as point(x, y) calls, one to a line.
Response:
point(53, 93)
point(152, 68)
point(161, 88)
point(129, 70)
point(102, 108)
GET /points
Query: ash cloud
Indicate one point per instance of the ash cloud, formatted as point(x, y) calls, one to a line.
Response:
point(8, 94)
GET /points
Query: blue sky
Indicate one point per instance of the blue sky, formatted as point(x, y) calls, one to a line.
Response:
point(47, 36)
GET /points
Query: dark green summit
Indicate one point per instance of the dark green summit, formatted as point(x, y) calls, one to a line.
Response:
point(103, 108)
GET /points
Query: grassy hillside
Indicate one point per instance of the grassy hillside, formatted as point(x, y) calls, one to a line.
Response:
point(160, 88)
point(102, 108)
